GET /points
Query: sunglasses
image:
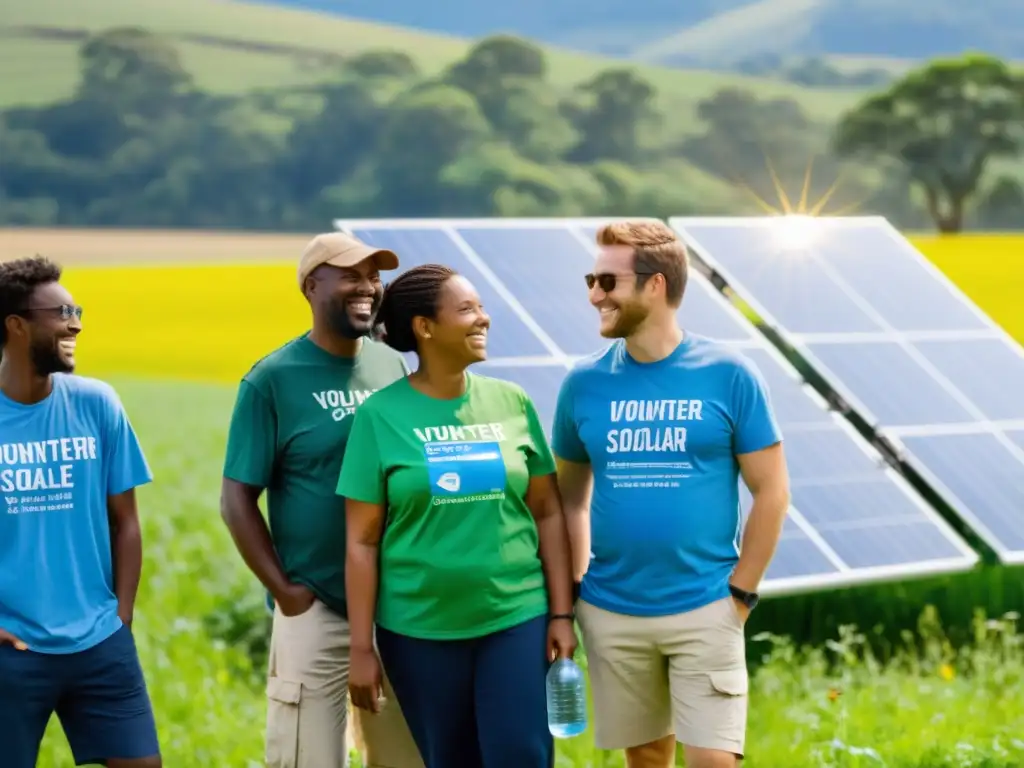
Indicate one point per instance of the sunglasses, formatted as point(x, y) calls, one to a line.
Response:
point(607, 281)
point(67, 311)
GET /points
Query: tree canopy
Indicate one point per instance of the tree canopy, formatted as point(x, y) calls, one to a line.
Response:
point(139, 144)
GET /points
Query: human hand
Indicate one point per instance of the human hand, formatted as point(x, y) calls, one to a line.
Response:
point(365, 679)
point(295, 600)
point(125, 615)
point(7, 637)
point(561, 639)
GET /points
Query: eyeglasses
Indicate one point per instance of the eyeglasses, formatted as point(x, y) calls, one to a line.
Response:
point(67, 311)
point(607, 281)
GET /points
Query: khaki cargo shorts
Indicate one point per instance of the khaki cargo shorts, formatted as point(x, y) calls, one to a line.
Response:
point(654, 676)
point(308, 724)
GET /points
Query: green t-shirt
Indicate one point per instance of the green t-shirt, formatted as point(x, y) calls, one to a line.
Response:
point(292, 417)
point(459, 556)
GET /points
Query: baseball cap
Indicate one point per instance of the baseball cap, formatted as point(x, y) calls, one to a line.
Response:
point(341, 250)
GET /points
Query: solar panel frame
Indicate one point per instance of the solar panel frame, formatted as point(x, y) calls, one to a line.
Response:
point(844, 575)
point(803, 343)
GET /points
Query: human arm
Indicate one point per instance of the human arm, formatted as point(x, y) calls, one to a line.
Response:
point(556, 561)
point(575, 477)
point(126, 470)
point(126, 551)
point(248, 468)
point(545, 503)
point(765, 475)
point(361, 482)
point(762, 465)
point(364, 522)
point(576, 483)
point(240, 511)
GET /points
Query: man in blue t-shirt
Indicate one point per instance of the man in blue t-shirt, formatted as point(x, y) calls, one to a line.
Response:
point(652, 436)
point(70, 547)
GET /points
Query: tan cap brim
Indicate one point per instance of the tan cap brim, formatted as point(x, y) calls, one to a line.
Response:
point(341, 250)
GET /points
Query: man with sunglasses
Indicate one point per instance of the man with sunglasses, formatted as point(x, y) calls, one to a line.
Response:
point(651, 437)
point(70, 544)
point(287, 438)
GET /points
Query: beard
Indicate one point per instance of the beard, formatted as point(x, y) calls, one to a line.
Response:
point(46, 358)
point(631, 317)
point(342, 323)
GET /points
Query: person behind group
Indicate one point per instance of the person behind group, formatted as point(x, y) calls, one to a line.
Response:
point(651, 436)
point(292, 416)
point(70, 542)
point(473, 592)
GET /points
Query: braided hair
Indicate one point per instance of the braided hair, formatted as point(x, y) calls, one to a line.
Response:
point(412, 294)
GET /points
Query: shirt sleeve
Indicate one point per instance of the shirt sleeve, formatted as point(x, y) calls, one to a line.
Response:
point(127, 467)
point(754, 420)
point(252, 438)
point(539, 461)
point(565, 437)
point(362, 470)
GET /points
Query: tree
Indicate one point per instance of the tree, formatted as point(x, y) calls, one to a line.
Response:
point(133, 70)
point(942, 123)
point(611, 111)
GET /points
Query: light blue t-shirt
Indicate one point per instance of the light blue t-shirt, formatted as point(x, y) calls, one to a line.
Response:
point(662, 439)
point(59, 461)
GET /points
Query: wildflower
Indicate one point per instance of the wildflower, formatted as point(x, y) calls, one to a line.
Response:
point(834, 694)
point(946, 672)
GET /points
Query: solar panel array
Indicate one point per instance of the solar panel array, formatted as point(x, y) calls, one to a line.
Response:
point(899, 342)
point(853, 519)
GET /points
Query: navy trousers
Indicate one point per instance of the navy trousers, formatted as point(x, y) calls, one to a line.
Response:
point(477, 703)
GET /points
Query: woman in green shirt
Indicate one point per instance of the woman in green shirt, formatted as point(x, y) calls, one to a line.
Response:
point(469, 580)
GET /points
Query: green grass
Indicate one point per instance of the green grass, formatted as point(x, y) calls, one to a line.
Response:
point(37, 71)
point(931, 707)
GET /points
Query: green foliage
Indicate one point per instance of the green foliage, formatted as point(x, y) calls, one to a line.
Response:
point(139, 143)
point(943, 123)
point(924, 702)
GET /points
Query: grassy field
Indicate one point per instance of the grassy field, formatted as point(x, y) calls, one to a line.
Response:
point(810, 709)
point(225, 44)
point(155, 331)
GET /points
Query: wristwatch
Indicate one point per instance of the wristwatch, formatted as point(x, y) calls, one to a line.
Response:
point(749, 599)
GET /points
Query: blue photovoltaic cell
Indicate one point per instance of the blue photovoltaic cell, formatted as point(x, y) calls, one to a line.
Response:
point(541, 383)
point(790, 400)
point(936, 374)
point(845, 503)
point(863, 257)
point(1017, 437)
point(508, 335)
point(544, 269)
point(799, 282)
point(703, 312)
point(893, 387)
point(967, 365)
point(992, 490)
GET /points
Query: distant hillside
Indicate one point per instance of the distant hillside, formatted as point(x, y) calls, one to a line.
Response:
point(235, 47)
point(719, 32)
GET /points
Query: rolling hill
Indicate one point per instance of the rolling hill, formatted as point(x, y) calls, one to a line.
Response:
point(719, 32)
point(236, 47)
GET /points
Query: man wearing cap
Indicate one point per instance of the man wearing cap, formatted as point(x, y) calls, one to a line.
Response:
point(287, 437)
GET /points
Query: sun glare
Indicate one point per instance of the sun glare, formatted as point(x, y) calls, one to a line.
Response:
point(794, 232)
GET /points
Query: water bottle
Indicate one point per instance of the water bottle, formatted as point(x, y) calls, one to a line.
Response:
point(567, 699)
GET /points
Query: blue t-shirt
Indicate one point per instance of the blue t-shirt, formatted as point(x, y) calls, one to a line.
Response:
point(662, 439)
point(59, 461)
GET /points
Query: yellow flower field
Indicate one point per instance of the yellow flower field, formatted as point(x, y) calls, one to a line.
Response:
point(212, 322)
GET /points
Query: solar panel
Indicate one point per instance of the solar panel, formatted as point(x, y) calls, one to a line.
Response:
point(899, 342)
point(853, 518)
